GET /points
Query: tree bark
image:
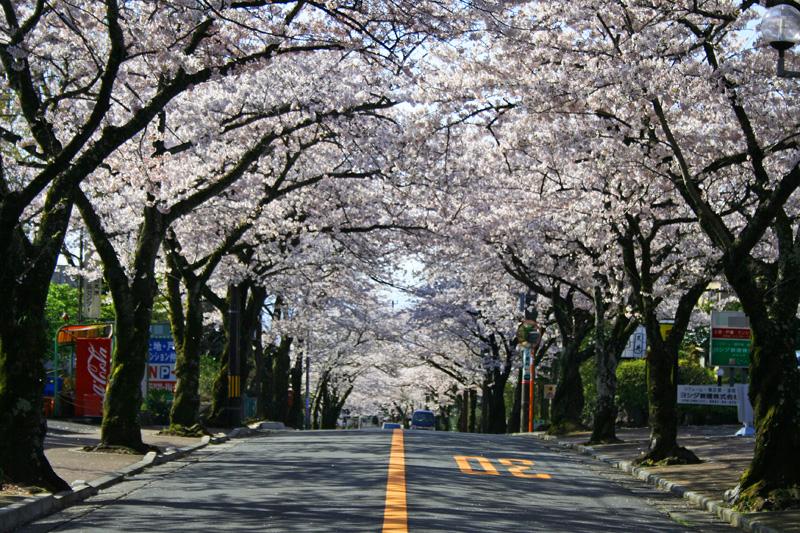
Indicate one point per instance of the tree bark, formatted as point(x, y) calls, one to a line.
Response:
point(567, 406)
point(774, 471)
point(608, 350)
point(186, 404)
point(295, 418)
point(25, 272)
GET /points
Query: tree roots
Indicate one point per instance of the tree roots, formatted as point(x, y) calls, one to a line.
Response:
point(674, 456)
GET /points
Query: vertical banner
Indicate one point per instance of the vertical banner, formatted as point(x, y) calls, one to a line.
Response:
point(93, 363)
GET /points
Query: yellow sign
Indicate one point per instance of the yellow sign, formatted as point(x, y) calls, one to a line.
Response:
point(665, 328)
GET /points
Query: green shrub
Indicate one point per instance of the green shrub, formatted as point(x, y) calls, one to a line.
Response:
point(156, 407)
point(632, 393)
point(209, 369)
point(631, 397)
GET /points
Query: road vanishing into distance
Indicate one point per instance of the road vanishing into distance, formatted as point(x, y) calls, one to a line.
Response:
point(381, 481)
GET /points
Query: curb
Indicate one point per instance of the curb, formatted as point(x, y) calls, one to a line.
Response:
point(716, 507)
point(35, 507)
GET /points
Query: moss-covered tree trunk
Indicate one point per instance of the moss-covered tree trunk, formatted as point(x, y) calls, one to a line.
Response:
point(574, 325)
point(608, 345)
point(22, 348)
point(769, 296)
point(187, 333)
point(662, 356)
point(133, 294)
point(25, 271)
point(567, 407)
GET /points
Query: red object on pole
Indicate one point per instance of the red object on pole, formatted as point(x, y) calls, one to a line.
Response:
point(93, 363)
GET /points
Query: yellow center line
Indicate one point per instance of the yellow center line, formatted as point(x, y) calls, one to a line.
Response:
point(395, 516)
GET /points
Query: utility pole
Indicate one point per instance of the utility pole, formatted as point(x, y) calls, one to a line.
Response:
point(234, 372)
point(528, 336)
point(308, 392)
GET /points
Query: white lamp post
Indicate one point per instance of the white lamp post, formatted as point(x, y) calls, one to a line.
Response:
point(780, 27)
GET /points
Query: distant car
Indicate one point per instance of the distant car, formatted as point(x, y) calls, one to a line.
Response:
point(423, 419)
point(391, 425)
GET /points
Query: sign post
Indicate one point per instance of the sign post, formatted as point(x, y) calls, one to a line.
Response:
point(528, 336)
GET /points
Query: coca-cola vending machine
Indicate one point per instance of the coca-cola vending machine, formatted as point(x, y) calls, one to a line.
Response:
point(93, 363)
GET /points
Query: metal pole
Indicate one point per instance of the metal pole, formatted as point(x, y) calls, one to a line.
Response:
point(308, 393)
point(525, 389)
point(532, 372)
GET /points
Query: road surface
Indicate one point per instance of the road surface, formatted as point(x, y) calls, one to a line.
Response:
point(381, 481)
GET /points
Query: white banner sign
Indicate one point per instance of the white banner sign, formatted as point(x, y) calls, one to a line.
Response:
point(707, 395)
point(637, 344)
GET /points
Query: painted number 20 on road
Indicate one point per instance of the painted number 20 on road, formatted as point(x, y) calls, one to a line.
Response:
point(482, 466)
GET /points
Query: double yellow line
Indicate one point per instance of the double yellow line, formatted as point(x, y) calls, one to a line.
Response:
point(395, 514)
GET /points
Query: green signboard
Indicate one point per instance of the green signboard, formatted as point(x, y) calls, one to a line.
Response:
point(730, 352)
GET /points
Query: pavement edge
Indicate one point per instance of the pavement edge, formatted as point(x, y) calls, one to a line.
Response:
point(35, 507)
point(717, 507)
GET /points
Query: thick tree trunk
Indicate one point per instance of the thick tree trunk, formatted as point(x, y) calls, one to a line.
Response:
point(608, 350)
point(280, 388)
point(25, 271)
point(769, 296)
point(605, 413)
point(22, 348)
point(123, 400)
point(295, 418)
point(493, 404)
point(775, 394)
point(567, 406)
point(662, 395)
point(218, 415)
point(186, 404)
point(472, 394)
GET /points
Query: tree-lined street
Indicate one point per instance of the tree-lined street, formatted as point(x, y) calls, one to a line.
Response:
point(337, 481)
point(336, 214)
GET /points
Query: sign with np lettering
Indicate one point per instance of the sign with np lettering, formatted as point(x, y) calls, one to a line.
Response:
point(93, 363)
point(161, 366)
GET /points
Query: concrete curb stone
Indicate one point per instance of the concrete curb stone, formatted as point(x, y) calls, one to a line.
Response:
point(33, 508)
point(717, 507)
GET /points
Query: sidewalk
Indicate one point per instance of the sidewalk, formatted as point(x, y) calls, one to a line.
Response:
point(89, 472)
point(724, 458)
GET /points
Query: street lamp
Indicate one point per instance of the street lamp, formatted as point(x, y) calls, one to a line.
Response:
point(780, 27)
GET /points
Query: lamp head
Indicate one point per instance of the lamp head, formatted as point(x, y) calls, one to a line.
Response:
point(780, 27)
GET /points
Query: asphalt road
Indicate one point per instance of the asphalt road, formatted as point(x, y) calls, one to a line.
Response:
point(343, 481)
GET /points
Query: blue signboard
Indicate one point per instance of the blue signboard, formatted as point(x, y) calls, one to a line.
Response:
point(161, 371)
point(162, 351)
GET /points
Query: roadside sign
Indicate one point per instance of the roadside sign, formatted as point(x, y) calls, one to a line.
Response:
point(730, 339)
point(161, 364)
point(637, 344)
point(707, 395)
point(549, 391)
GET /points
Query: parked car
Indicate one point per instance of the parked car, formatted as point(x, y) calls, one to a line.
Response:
point(423, 419)
point(391, 425)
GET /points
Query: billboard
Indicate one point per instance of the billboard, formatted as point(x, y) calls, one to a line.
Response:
point(161, 364)
point(730, 339)
point(92, 366)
